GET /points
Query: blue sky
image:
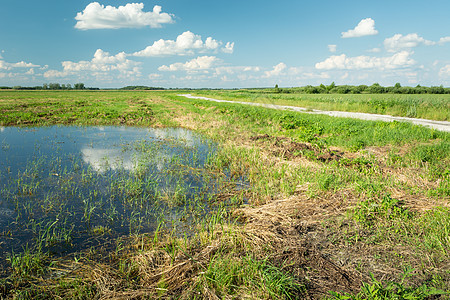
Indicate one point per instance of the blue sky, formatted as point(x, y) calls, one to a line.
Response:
point(178, 43)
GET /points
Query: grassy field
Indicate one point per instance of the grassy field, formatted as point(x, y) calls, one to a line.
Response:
point(334, 208)
point(425, 106)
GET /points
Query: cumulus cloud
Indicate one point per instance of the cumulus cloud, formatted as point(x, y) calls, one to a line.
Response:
point(55, 74)
point(276, 70)
point(364, 27)
point(398, 60)
point(23, 64)
point(8, 66)
point(96, 16)
point(102, 62)
point(185, 44)
point(445, 71)
point(442, 40)
point(199, 63)
point(229, 48)
point(332, 48)
point(399, 42)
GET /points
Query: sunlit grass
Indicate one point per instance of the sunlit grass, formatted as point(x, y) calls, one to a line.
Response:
point(433, 107)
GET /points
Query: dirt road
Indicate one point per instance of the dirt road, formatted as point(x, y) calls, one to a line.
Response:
point(438, 125)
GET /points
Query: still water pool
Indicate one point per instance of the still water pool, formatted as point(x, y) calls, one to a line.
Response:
point(67, 188)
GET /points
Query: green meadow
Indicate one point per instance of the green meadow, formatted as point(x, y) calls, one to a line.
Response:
point(292, 206)
point(424, 106)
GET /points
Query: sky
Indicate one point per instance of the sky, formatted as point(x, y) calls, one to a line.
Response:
point(224, 44)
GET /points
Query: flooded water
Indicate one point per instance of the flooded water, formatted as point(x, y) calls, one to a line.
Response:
point(69, 188)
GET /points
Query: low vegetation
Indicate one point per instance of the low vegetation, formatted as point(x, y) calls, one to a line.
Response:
point(331, 208)
point(425, 106)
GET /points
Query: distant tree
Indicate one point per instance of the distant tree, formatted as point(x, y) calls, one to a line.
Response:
point(140, 87)
point(54, 86)
point(277, 89)
point(322, 88)
point(343, 89)
point(376, 88)
point(436, 90)
point(359, 89)
point(79, 86)
point(331, 87)
point(309, 89)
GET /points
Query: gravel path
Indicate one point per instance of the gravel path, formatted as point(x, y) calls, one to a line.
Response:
point(438, 125)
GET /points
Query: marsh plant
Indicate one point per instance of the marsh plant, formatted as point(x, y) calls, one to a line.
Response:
point(81, 187)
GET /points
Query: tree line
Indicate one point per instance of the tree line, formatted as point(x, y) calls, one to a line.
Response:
point(76, 86)
point(309, 89)
point(363, 89)
point(140, 87)
point(52, 86)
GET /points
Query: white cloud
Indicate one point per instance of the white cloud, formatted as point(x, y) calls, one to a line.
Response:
point(30, 72)
point(251, 69)
point(154, 76)
point(332, 48)
point(226, 79)
point(210, 43)
point(102, 160)
point(185, 44)
point(444, 40)
point(236, 70)
point(374, 50)
point(55, 74)
point(4, 65)
point(445, 71)
point(310, 75)
point(199, 63)
point(229, 48)
point(8, 66)
point(365, 27)
point(295, 70)
point(399, 42)
point(23, 64)
point(102, 62)
point(398, 60)
point(96, 16)
point(276, 70)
